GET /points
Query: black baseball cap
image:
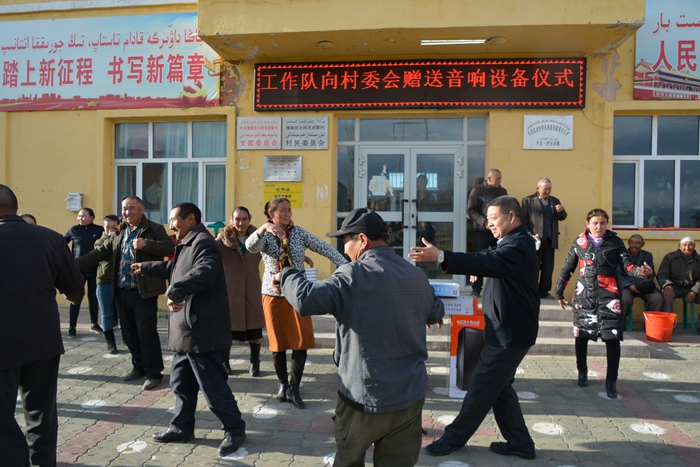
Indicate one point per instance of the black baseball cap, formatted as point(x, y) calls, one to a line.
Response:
point(362, 220)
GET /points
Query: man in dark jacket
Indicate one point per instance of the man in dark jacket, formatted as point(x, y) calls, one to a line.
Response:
point(479, 198)
point(679, 275)
point(382, 305)
point(199, 329)
point(632, 286)
point(511, 309)
point(136, 240)
point(541, 215)
point(35, 262)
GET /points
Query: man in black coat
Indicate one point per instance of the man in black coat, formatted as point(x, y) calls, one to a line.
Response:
point(541, 215)
point(199, 329)
point(511, 309)
point(35, 262)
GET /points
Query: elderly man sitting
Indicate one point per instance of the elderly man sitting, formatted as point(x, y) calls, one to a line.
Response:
point(679, 274)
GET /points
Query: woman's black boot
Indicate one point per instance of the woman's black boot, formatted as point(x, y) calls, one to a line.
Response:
point(255, 359)
point(282, 392)
point(583, 378)
point(227, 364)
point(294, 397)
point(611, 388)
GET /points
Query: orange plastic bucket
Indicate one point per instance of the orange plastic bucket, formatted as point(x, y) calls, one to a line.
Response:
point(659, 325)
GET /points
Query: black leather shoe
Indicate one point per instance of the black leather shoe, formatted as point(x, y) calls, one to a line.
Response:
point(583, 378)
point(441, 448)
point(230, 444)
point(151, 383)
point(505, 450)
point(282, 393)
point(170, 435)
point(134, 374)
point(227, 367)
point(611, 389)
point(254, 369)
point(294, 397)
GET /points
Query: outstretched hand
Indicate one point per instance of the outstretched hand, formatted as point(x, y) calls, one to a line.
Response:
point(424, 254)
point(563, 304)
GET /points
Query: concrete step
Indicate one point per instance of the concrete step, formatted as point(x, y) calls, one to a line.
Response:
point(555, 329)
point(629, 348)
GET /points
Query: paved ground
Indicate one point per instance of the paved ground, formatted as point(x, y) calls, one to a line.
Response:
point(656, 422)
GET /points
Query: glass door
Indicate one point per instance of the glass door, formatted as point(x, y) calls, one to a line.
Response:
point(415, 191)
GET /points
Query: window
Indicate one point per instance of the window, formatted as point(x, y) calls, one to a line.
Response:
point(656, 171)
point(167, 163)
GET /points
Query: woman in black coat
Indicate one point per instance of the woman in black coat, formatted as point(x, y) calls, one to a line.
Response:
point(596, 254)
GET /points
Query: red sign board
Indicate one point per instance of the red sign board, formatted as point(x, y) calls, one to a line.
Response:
point(529, 83)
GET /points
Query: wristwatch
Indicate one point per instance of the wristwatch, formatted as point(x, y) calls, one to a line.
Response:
point(440, 258)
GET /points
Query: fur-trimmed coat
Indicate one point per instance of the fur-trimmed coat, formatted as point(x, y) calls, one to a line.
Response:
point(242, 281)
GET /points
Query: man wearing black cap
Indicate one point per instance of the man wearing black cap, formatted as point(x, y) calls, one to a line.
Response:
point(382, 305)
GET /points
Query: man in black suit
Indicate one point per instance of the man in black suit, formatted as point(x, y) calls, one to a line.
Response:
point(541, 215)
point(511, 309)
point(35, 262)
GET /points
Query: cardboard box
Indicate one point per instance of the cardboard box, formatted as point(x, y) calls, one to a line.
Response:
point(445, 289)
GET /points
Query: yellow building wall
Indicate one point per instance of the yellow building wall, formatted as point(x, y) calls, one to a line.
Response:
point(45, 155)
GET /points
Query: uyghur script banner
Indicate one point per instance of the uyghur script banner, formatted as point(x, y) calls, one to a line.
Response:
point(116, 62)
point(666, 56)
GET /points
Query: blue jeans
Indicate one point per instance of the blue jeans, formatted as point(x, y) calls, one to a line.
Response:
point(108, 305)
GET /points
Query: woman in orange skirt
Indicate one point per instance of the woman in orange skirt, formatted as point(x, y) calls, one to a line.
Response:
point(283, 244)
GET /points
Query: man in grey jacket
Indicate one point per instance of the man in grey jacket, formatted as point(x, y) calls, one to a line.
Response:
point(382, 305)
point(199, 329)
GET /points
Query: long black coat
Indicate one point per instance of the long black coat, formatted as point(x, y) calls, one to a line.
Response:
point(34, 262)
point(511, 301)
point(197, 277)
point(596, 301)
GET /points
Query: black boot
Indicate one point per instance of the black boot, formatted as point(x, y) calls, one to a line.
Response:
point(282, 392)
point(611, 388)
point(227, 364)
point(111, 343)
point(294, 397)
point(583, 378)
point(255, 359)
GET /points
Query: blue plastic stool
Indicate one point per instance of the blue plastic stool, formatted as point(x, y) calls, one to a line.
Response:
point(692, 316)
point(631, 312)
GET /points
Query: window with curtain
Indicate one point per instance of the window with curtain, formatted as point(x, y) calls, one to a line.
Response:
point(167, 163)
point(656, 171)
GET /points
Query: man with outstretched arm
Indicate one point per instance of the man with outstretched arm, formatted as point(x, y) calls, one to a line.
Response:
point(511, 309)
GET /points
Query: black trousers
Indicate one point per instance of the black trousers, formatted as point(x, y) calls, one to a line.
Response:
point(612, 353)
point(492, 387)
point(545, 256)
point(191, 372)
point(483, 239)
point(74, 309)
point(37, 382)
point(139, 323)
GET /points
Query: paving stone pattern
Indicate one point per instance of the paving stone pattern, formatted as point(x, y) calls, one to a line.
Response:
point(106, 422)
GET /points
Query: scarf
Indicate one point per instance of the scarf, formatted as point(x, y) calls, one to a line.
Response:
point(285, 258)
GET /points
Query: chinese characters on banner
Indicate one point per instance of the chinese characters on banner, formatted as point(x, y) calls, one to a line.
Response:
point(259, 133)
point(533, 83)
point(666, 53)
point(115, 62)
point(305, 132)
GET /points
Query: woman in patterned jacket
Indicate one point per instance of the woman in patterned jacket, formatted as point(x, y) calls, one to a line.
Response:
point(596, 254)
point(284, 244)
